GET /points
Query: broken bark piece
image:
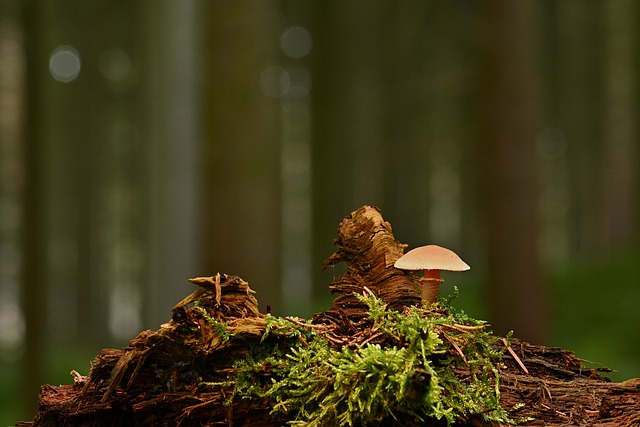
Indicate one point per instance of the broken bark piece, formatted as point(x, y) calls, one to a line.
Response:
point(366, 244)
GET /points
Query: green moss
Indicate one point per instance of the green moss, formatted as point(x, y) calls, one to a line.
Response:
point(220, 328)
point(413, 373)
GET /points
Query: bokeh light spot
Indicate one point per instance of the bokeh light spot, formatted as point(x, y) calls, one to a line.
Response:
point(296, 42)
point(64, 64)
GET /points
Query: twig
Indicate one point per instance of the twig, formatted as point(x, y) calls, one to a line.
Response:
point(295, 321)
point(462, 328)
point(218, 286)
point(471, 328)
point(335, 340)
point(455, 346)
point(515, 356)
point(371, 337)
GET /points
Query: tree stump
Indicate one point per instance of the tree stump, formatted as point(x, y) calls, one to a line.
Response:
point(202, 367)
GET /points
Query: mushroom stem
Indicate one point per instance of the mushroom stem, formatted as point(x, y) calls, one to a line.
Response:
point(431, 285)
point(430, 289)
point(432, 274)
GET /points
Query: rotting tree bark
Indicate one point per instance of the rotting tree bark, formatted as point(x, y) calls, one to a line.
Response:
point(366, 244)
point(182, 374)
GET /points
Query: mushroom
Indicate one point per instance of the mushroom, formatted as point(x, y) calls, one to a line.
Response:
point(432, 259)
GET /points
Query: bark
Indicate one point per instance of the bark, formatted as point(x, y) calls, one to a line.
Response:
point(184, 372)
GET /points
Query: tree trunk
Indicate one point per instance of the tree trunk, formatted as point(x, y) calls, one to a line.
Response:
point(582, 66)
point(620, 124)
point(516, 294)
point(34, 258)
point(174, 147)
point(241, 161)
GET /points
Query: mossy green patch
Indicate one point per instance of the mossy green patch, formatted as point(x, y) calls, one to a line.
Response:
point(426, 364)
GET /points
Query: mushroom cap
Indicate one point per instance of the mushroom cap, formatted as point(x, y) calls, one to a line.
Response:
point(431, 257)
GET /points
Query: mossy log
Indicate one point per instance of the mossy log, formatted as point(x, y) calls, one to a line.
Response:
point(186, 372)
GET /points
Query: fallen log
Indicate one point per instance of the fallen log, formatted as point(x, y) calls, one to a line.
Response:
point(378, 356)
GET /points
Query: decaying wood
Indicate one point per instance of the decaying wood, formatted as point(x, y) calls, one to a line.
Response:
point(560, 391)
point(366, 244)
point(183, 373)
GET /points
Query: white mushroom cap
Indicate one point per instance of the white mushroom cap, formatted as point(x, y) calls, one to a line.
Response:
point(431, 257)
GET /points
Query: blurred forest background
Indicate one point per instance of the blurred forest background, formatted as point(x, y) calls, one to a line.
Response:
point(146, 142)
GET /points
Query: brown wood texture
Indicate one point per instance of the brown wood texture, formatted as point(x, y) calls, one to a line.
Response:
point(182, 374)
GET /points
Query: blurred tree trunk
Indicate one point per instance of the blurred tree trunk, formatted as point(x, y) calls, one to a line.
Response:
point(126, 218)
point(297, 265)
point(407, 168)
point(582, 114)
point(35, 205)
point(551, 147)
point(83, 124)
point(241, 165)
point(509, 110)
point(173, 138)
point(620, 124)
point(335, 30)
point(364, 141)
point(368, 141)
point(446, 75)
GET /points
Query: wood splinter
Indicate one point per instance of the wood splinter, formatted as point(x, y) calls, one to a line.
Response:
point(515, 356)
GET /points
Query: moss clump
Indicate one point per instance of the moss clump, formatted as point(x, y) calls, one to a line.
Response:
point(425, 364)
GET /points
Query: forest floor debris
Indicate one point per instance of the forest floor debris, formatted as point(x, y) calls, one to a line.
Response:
point(376, 356)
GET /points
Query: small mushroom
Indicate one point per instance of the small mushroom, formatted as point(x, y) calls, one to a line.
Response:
point(432, 259)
